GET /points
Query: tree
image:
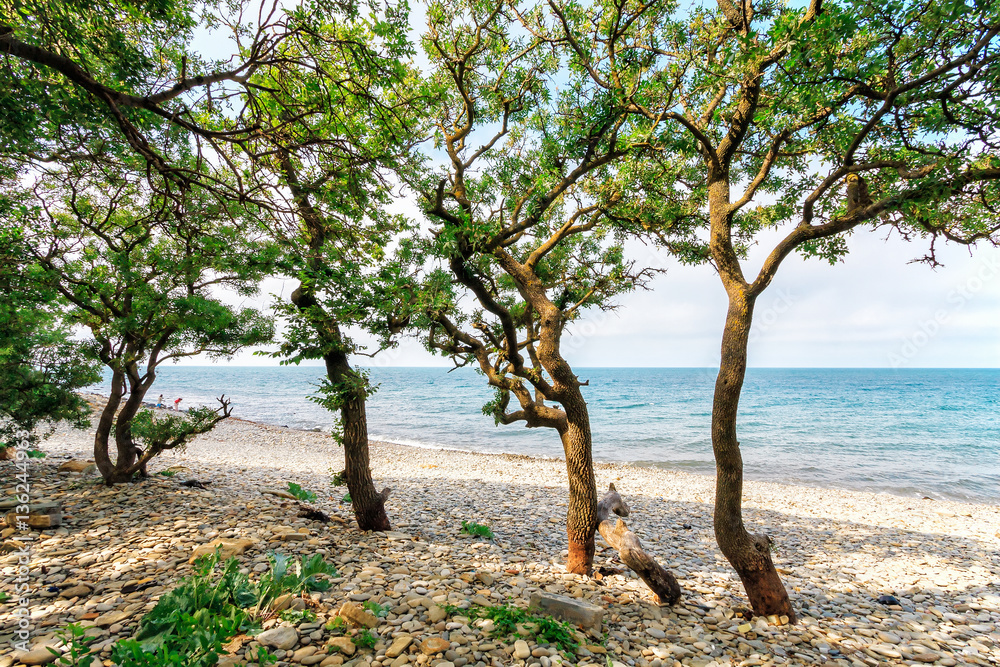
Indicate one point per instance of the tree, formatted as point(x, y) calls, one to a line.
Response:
point(813, 120)
point(519, 233)
point(339, 80)
point(41, 366)
point(140, 275)
point(83, 78)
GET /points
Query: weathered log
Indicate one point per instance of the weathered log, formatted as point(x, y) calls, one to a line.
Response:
point(663, 584)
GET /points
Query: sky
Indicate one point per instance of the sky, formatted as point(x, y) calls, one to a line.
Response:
point(874, 309)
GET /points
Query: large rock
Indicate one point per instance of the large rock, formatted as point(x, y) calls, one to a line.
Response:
point(111, 618)
point(227, 548)
point(78, 591)
point(342, 644)
point(38, 656)
point(399, 644)
point(357, 615)
point(40, 515)
point(78, 466)
point(433, 645)
point(283, 637)
point(571, 610)
point(521, 650)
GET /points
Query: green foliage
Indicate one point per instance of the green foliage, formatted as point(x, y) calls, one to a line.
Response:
point(376, 609)
point(477, 529)
point(365, 639)
point(159, 431)
point(140, 271)
point(337, 625)
point(4, 596)
point(346, 499)
point(35, 454)
point(337, 478)
point(74, 637)
point(508, 620)
point(300, 493)
point(290, 576)
point(189, 625)
point(167, 473)
point(296, 616)
point(41, 366)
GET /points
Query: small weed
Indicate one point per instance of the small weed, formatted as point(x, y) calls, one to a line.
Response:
point(300, 493)
point(477, 529)
point(376, 609)
point(296, 616)
point(346, 498)
point(338, 624)
point(35, 454)
point(337, 478)
point(4, 597)
point(75, 638)
point(168, 473)
point(365, 639)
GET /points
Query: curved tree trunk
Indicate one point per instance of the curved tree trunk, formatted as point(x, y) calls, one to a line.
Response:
point(750, 555)
point(581, 517)
point(128, 452)
point(104, 426)
point(368, 504)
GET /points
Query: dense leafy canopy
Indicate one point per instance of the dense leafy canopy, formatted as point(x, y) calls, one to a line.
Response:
point(41, 365)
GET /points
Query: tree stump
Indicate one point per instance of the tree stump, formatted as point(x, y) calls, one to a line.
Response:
point(665, 588)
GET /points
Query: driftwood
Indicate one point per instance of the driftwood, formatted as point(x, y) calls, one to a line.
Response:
point(663, 584)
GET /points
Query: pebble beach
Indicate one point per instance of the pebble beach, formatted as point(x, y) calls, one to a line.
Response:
point(118, 549)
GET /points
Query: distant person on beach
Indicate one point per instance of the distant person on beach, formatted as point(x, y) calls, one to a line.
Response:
point(177, 404)
point(159, 401)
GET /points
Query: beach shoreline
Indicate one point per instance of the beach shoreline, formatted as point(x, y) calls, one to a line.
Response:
point(921, 494)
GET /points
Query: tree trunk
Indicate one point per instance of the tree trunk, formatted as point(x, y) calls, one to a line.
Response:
point(127, 450)
point(368, 504)
point(750, 555)
point(581, 518)
point(665, 588)
point(103, 434)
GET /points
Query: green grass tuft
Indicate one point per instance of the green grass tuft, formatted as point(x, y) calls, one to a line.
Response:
point(477, 529)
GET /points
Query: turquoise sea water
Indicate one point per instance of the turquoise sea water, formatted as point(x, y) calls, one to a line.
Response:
point(914, 432)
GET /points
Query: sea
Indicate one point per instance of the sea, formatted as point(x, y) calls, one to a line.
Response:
point(911, 432)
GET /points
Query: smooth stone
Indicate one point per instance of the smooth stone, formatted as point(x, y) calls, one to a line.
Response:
point(568, 609)
point(77, 591)
point(521, 650)
point(283, 637)
point(433, 645)
point(342, 644)
point(38, 656)
point(227, 549)
point(357, 615)
point(399, 644)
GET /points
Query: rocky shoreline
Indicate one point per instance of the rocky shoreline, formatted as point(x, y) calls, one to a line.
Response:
point(118, 549)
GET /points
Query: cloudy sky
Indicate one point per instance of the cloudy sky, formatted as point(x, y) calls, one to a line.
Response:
point(874, 309)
